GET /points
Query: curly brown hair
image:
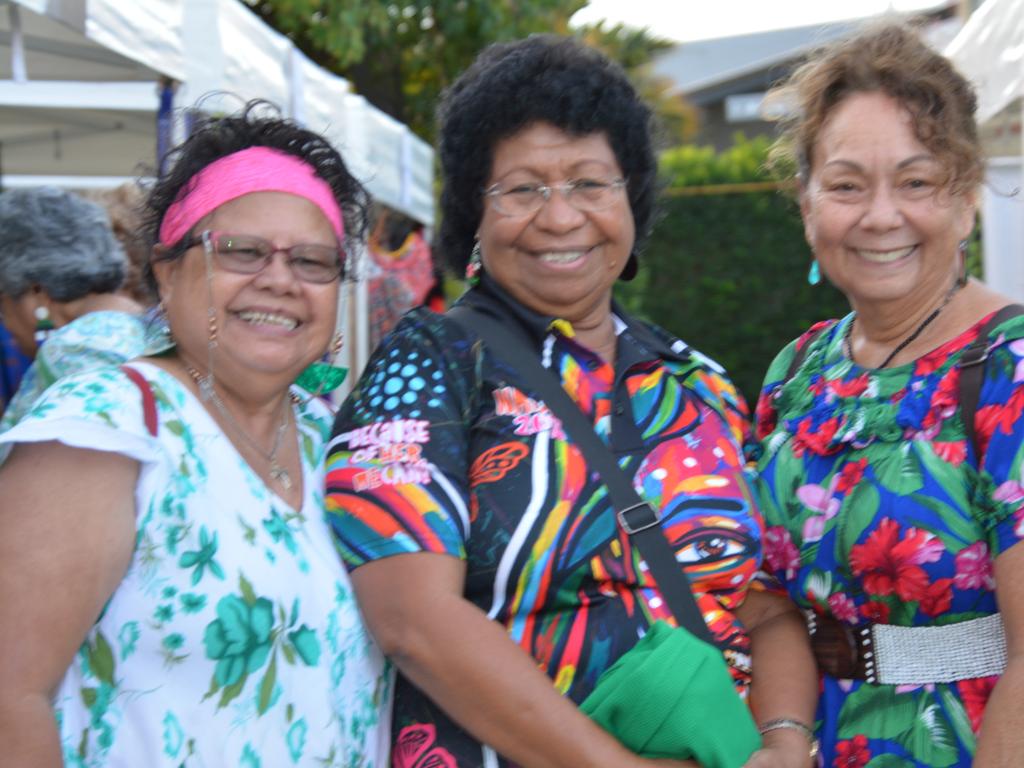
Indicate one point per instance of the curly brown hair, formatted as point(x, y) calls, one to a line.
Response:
point(893, 59)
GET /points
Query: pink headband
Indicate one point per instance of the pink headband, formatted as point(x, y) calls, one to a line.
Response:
point(256, 169)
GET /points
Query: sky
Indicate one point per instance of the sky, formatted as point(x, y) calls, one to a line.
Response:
point(684, 20)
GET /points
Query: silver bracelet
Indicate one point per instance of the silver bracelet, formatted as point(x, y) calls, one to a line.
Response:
point(796, 725)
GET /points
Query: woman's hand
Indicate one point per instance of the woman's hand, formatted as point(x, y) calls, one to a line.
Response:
point(470, 667)
point(783, 748)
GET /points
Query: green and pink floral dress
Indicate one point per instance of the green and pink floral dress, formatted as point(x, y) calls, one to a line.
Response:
point(877, 509)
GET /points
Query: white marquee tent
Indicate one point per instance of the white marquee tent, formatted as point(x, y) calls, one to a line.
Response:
point(989, 50)
point(80, 96)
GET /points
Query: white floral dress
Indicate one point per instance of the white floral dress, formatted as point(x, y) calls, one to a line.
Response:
point(234, 638)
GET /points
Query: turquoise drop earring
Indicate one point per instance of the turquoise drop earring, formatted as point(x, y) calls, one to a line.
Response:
point(814, 273)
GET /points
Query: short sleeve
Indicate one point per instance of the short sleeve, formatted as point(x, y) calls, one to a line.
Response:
point(98, 410)
point(397, 461)
point(1000, 428)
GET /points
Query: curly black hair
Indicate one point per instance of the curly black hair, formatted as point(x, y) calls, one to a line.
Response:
point(543, 78)
point(258, 124)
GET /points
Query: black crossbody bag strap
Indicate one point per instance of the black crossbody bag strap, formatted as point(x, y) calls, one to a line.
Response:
point(972, 371)
point(635, 516)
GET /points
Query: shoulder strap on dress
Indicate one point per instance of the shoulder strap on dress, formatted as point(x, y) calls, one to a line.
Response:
point(972, 369)
point(148, 401)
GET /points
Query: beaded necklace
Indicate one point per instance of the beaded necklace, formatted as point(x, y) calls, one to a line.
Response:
point(848, 345)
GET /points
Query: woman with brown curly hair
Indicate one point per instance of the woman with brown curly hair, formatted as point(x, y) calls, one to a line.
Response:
point(891, 463)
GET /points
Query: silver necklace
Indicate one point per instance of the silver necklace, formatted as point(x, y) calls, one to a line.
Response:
point(277, 473)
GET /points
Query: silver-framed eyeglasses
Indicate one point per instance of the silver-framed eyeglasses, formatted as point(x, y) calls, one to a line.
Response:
point(250, 254)
point(528, 198)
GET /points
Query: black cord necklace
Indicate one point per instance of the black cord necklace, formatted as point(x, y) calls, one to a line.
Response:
point(848, 345)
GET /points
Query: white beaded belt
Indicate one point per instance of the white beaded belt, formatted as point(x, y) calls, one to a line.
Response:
point(888, 654)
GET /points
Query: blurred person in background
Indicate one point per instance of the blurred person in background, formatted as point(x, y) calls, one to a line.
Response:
point(61, 270)
point(125, 207)
point(171, 593)
point(894, 502)
point(485, 551)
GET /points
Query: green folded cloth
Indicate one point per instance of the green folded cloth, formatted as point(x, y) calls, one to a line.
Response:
point(672, 696)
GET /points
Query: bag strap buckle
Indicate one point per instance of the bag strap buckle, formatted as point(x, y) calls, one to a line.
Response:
point(638, 517)
point(974, 353)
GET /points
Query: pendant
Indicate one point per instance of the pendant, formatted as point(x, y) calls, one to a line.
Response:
point(280, 475)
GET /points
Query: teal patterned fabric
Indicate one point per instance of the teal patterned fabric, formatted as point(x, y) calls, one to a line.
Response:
point(94, 340)
point(234, 638)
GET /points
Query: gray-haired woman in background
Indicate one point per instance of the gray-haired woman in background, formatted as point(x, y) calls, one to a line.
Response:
point(60, 271)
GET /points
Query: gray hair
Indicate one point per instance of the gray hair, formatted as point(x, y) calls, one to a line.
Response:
point(57, 241)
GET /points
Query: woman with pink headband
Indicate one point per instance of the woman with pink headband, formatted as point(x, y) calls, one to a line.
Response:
point(171, 593)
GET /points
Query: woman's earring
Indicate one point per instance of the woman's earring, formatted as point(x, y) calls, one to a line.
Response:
point(814, 273)
point(44, 325)
point(962, 248)
point(475, 264)
point(321, 377)
point(158, 330)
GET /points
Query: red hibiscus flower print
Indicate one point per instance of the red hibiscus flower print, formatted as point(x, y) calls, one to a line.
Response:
point(953, 452)
point(944, 400)
point(875, 611)
point(852, 753)
point(415, 748)
point(974, 568)
point(928, 364)
point(1003, 416)
point(974, 694)
point(817, 440)
point(889, 565)
point(851, 388)
point(851, 474)
point(937, 597)
point(765, 415)
point(780, 552)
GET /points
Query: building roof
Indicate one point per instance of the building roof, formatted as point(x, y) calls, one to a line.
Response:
point(707, 70)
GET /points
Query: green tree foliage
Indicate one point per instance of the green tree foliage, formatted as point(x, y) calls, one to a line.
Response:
point(401, 55)
point(726, 270)
point(635, 49)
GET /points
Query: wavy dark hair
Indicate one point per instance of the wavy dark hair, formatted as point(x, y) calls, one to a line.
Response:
point(543, 78)
point(258, 124)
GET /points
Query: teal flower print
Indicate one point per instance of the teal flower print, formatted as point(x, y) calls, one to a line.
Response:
point(239, 640)
point(306, 645)
point(164, 612)
point(173, 642)
point(297, 739)
point(279, 531)
point(249, 757)
point(127, 638)
point(191, 603)
point(203, 558)
point(174, 736)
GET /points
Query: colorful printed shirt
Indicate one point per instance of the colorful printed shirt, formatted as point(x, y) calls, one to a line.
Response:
point(879, 510)
point(234, 638)
point(94, 340)
point(442, 448)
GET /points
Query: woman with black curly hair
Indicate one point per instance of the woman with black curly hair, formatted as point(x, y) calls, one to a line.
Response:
point(485, 550)
point(171, 595)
